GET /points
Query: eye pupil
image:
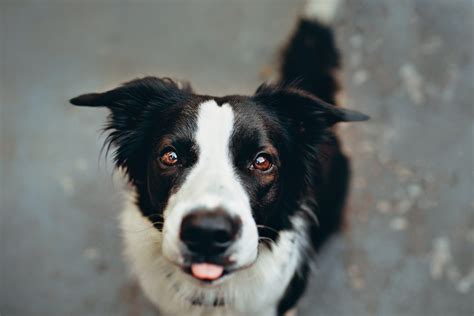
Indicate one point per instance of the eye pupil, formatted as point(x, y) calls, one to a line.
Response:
point(262, 163)
point(169, 158)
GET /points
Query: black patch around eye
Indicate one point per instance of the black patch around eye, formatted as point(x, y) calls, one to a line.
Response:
point(244, 148)
point(273, 195)
point(185, 149)
point(155, 185)
point(187, 152)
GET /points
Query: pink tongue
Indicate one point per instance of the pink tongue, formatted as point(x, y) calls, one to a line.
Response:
point(206, 271)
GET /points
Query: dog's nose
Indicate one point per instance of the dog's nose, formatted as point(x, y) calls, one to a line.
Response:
point(209, 233)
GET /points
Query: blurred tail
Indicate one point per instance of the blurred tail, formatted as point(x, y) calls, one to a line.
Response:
point(310, 62)
point(311, 59)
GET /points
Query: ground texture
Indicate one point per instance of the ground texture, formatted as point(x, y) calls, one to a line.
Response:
point(409, 240)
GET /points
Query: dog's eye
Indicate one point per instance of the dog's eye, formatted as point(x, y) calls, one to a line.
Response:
point(263, 163)
point(169, 157)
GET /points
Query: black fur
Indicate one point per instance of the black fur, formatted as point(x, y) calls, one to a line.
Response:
point(310, 62)
point(290, 122)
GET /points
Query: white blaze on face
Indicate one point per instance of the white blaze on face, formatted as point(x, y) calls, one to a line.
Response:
point(212, 183)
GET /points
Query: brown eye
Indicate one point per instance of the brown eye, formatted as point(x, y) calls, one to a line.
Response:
point(262, 162)
point(169, 158)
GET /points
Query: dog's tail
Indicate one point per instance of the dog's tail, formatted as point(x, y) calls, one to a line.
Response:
point(310, 60)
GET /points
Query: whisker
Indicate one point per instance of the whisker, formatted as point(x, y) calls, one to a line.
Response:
point(158, 222)
point(266, 240)
point(267, 227)
point(310, 214)
point(155, 214)
point(147, 228)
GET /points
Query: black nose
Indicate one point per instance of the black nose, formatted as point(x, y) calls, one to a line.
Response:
point(209, 233)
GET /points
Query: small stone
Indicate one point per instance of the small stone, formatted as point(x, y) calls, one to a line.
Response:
point(440, 258)
point(383, 206)
point(356, 279)
point(414, 190)
point(432, 45)
point(356, 40)
point(403, 173)
point(398, 224)
point(91, 253)
point(360, 77)
point(465, 284)
point(67, 184)
point(413, 83)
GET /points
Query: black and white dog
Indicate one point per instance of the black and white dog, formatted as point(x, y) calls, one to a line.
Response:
point(231, 195)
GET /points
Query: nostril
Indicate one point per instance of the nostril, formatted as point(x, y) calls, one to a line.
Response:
point(209, 232)
point(222, 236)
point(190, 234)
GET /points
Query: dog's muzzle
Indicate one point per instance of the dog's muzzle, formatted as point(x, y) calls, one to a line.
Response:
point(207, 237)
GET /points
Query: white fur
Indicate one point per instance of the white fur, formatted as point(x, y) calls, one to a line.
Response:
point(212, 183)
point(252, 291)
point(322, 10)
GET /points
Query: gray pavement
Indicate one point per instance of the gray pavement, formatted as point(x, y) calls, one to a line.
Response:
point(408, 246)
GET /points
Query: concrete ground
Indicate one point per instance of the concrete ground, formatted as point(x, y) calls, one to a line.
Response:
point(409, 242)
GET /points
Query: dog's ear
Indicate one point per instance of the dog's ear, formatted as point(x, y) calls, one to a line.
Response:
point(143, 89)
point(135, 106)
point(129, 102)
point(90, 99)
point(305, 107)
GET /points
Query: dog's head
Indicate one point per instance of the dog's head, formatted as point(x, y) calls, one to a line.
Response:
point(217, 175)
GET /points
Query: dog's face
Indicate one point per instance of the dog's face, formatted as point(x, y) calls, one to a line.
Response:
point(216, 175)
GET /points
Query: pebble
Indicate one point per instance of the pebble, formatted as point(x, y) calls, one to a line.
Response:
point(360, 77)
point(398, 223)
point(356, 40)
point(414, 190)
point(356, 279)
point(413, 83)
point(403, 173)
point(465, 284)
point(431, 46)
point(91, 253)
point(383, 206)
point(67, 184)
point(441, 256)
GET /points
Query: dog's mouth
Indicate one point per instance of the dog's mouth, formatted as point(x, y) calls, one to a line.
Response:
point(208, 269)
point(211, 272)
point(206, 272)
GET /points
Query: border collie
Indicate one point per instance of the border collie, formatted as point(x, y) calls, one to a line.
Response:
point(231, 196)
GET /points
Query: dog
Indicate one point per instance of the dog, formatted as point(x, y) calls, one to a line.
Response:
point(231, 196)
